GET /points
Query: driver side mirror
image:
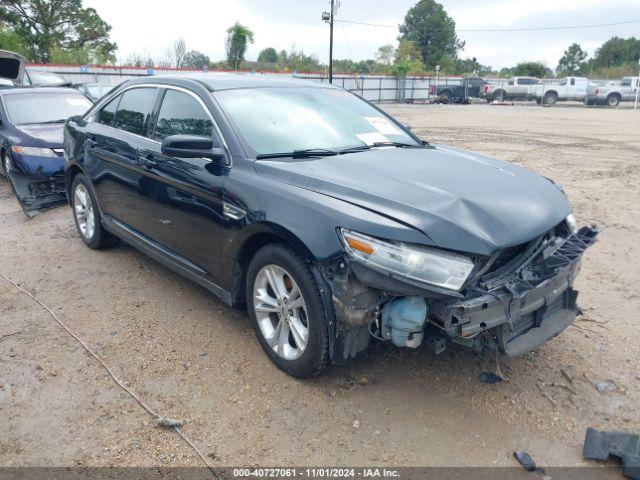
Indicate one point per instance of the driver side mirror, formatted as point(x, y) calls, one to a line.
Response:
point(192, 146)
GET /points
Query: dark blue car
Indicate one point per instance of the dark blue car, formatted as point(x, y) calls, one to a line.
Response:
point(31, 153)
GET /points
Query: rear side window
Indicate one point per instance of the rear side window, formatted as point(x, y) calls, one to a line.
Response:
point(106, 115)
point(134, 109)
point(182, 114)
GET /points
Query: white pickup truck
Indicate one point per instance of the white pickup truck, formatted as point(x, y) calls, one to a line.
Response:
point(568, 88)
point(611, 94)
point(516, 88)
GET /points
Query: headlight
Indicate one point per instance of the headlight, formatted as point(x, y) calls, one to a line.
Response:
point(424, 264)
point(35, 151)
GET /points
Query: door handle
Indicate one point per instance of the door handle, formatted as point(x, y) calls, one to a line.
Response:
point(147, 161)
point(91, 142)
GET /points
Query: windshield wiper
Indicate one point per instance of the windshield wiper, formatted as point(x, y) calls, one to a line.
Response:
point(357, 148)
point(362, 148)
point(45, 122)
point(304, 153)
point(398, 144)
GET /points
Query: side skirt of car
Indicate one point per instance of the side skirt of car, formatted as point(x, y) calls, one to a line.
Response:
point(168, 258)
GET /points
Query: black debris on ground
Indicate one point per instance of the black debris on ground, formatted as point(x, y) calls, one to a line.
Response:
point(625, 446)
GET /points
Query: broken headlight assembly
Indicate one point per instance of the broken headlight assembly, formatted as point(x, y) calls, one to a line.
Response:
point(416, 262)
point(34, 151)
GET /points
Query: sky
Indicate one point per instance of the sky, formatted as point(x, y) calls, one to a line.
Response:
point(148, 26)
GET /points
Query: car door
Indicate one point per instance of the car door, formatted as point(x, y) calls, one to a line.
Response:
point(187, 216)
point(113, 140)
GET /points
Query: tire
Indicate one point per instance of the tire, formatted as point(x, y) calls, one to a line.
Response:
point(613, 100)
point(280, 328)
point(445, 96)
point(4, 158)
point(87, 215)
point(550, 98)
point(499, 96)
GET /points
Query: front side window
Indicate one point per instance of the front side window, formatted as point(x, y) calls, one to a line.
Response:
point(44, 107)
point(107, 113)
point(134, 109)
point(278, 120)
point(182, 114)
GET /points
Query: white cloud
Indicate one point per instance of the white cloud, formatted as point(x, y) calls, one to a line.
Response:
point(152, 26)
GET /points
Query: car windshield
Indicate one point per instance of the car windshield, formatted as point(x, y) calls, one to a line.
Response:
point(45, 79)
point(44, 107)
point(98, 90)
point(279, 120)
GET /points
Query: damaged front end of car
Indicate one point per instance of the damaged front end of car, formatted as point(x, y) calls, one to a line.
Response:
point(514, 300)
point(38, 180)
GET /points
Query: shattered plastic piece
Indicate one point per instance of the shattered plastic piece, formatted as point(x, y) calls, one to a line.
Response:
point(525, 460)
point(606, 386)
point(168, 422)
point(490, 378)
point(626, 446)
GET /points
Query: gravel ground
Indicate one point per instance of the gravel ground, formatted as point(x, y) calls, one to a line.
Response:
point(192, 358)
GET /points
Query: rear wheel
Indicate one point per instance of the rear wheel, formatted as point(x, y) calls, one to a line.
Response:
point(87, 215)
point(445, 96)
point(286, 311)
point(550, 98)
point(613, 100)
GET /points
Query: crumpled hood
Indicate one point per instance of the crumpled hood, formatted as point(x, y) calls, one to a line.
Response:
point(461, 200)
point(49, 135)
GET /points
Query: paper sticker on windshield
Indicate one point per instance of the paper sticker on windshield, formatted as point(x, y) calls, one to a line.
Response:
point(77, 102)
point(372, 138)
point(383, 125)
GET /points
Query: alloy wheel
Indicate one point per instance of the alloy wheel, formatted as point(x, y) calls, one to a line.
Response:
point(6, 164)
point(83, 209)
point(281, 312)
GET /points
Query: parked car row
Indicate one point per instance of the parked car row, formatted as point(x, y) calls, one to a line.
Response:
point(571, 88)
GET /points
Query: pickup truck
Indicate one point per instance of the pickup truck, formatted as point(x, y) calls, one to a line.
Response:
point(611, 94)
point(516, 88)
point(459, 93)
point(568, 88)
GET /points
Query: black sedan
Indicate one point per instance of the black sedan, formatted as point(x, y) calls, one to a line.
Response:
point(325, 217)
point(31, 155)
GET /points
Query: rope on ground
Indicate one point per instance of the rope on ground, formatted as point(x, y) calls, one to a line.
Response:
point(160, 421)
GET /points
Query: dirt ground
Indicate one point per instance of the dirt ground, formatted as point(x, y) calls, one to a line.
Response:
point(192, 358)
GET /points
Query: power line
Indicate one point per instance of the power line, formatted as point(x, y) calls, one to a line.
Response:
point(564, 27)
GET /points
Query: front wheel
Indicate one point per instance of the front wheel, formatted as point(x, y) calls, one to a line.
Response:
point(613, 101)
point(6, 163)
point(287, 312)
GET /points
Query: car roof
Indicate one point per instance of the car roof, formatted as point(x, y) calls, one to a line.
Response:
point(19, 90)
point(231, 81)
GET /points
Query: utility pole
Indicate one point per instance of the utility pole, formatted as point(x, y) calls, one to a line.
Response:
point(328, 17)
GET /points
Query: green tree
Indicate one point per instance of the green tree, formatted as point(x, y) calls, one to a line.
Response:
point(432, 31)
point(572, 62)
point(196, 59)
point(616, 52)
point(408, 59)
point(238, 37)
point(11, 40)
point(268, 55)
point(531, 69)
point(385, 54)
point(47, 25)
